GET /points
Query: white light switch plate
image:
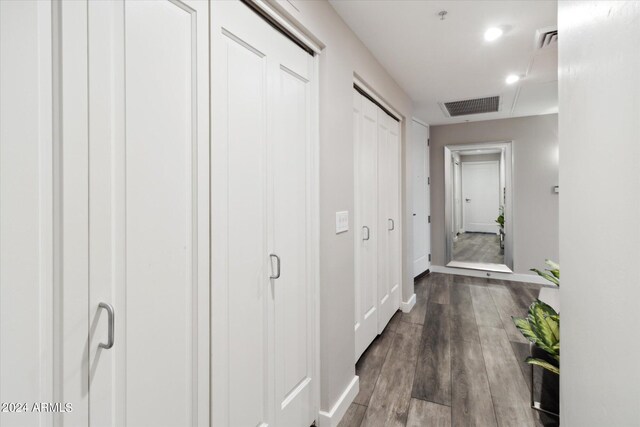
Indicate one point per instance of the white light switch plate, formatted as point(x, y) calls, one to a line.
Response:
point(342, 222)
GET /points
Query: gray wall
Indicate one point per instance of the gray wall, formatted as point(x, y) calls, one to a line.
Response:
point(342, 56)
point(535, 173)
point(599, 62)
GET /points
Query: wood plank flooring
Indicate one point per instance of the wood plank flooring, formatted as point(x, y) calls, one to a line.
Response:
point(478, 247)
point(453, 361)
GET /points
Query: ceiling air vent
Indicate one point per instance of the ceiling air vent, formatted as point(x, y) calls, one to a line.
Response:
point(546, 37)
point(473, 106)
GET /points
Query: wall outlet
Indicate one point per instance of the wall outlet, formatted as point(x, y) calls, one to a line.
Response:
point(342, 222)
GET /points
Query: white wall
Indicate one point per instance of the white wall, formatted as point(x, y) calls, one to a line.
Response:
point(535, 173)
point(600, 212)
point(342, 56)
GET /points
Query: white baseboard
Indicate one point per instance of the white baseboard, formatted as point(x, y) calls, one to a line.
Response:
point(407, 306)
point(515, 277)
point(333, 417)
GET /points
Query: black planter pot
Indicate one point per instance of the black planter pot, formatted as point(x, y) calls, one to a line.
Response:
point(545, 391)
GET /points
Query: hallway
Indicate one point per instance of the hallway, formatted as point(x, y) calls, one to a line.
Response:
point(455, 359)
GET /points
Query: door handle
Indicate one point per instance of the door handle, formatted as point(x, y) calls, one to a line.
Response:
point(392, 224)
point(277, 275)
point(365, 236)
point(111, 321)
point(467, 200)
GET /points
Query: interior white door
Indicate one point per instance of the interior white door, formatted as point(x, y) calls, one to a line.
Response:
point(389, 250)
point(481, 196)
point(149, 213)
point(421, 226)
point(263, 312)
point(365, 117)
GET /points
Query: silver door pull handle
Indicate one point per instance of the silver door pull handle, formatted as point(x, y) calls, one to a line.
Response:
point(392, 224)
point(467, 200)
point(365, 232)
point(277, 275)
point(111, 320)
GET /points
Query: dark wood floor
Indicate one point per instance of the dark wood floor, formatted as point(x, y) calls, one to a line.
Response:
point(478, 247)
point(455, 359)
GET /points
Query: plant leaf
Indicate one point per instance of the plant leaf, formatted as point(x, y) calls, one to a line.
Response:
point(524, 327)
point(554, 265)
point(545, 331)
point(543, 364)
point(550, 277)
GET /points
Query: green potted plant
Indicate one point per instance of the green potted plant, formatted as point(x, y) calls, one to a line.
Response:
point(542, 324)
point(542, 328)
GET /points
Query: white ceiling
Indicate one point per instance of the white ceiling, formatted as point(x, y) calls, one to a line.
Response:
point(437, 60)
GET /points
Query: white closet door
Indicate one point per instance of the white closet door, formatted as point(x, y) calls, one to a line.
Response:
point(420, 174)
point(149, 212)
point(395, 220)
point(365, 116)
point(263, 341)
point(388, 219)
point(292, 301)
point(26, 211)
point(240, 283)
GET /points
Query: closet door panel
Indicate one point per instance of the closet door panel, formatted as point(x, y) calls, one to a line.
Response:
point(240, 279)
point(394, 226)
point(366, 158)
point(289, 150)
point(162, 232)
point(149, 232)
point(246, 235)
point(385, 304)
point(26, 209)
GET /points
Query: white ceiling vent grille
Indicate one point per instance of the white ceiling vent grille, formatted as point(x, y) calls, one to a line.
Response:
point(466, 107)
point(546, 37)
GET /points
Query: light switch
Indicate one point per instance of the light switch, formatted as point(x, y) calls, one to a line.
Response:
point(342, 222)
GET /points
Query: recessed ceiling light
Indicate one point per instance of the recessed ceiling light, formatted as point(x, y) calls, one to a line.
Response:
point(512, 78)
point(492, 34)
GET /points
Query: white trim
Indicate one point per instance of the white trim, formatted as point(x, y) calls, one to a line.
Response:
point(514, 277)
point(407, 306)
point(315, 225)
point(420, 122)
point(372, 93)
point(287, 24)
point(333, 417)
point(484, 266)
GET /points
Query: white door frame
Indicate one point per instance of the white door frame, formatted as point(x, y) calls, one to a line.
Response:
point(509, 253)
